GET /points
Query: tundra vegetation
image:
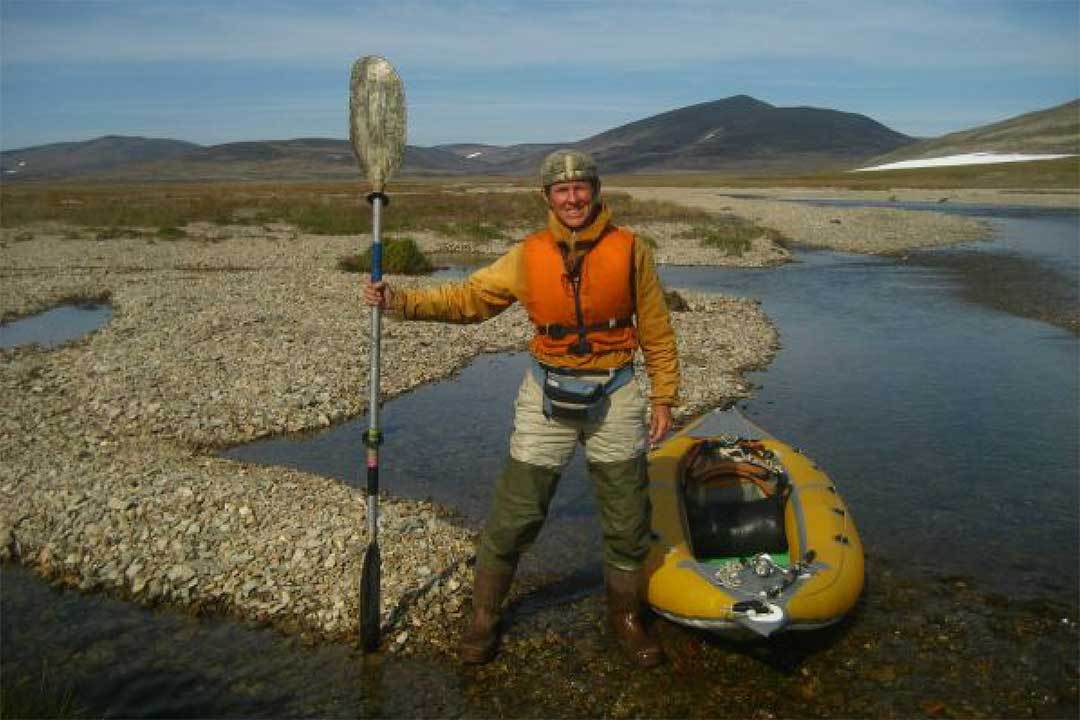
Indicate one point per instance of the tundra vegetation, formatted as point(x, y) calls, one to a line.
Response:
point(730, 233)
point(49, 695)
point(481, 216)
point(401, 256)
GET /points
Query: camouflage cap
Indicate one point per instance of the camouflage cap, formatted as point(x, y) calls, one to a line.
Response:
point(565, 166)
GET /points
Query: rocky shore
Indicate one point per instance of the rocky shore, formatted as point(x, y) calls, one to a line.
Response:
point(109, 480)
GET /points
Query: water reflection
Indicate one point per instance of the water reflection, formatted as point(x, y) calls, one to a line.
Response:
point(121, 660)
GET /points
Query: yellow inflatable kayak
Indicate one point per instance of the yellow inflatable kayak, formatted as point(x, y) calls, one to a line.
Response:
point(748, 533)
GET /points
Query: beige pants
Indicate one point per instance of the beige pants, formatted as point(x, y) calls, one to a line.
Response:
point(550, 443)
point(539, 448)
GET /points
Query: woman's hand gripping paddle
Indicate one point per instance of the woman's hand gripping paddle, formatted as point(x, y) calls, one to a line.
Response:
point(377, 133)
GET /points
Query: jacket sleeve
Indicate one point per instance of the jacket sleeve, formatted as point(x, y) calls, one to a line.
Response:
point(655, 334)
point(484, 294)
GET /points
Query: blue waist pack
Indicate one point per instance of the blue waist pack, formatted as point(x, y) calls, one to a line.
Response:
point(579, 395)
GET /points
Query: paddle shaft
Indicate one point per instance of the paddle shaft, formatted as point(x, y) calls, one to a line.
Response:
point(377, 134)
point(374, 436)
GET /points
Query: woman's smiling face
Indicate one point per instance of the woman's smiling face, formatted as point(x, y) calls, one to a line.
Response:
point(572, 202)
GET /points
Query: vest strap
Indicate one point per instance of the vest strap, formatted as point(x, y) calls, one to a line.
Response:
point(557, 332)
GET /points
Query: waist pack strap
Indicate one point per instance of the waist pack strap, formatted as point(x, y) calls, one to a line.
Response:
point(616, 378)
point(619, 378)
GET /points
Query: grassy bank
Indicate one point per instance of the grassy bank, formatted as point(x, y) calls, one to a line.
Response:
point(162, 211)
point(335, 208)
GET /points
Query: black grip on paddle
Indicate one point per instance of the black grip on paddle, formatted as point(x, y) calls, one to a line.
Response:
point(382, 196)
point(373, 480)
point(371, 599)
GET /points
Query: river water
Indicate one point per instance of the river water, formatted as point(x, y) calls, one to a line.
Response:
point(951, 428)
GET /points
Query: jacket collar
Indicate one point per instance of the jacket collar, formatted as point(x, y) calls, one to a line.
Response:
point(590, 233)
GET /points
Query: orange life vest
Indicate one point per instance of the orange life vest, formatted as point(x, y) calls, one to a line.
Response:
point(589, 311)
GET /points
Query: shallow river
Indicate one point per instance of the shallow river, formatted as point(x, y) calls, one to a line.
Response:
point(951, 428)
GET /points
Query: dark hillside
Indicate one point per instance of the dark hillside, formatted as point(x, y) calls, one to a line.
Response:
point(71, 159)
point(739, 132)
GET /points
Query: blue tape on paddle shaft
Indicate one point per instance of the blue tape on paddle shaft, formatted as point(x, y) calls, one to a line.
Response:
point(376, 261)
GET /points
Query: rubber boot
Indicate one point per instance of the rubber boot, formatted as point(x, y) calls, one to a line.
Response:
point(482, 636)
point(624, 615)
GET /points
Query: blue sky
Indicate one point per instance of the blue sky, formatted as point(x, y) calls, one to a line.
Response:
point(508, 72)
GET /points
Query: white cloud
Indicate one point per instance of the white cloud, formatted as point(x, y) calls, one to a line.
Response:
point(577, 35)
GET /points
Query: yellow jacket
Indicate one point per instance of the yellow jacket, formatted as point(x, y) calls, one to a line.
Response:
point(492, 289)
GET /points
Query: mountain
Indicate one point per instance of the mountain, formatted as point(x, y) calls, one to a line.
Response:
point(93, 156)
point(736, 135)
point(1054, 130)
point(741, 134)
point(143, 159)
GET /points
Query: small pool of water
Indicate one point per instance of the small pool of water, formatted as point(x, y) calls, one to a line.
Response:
point(55, 327)
point(451, 268)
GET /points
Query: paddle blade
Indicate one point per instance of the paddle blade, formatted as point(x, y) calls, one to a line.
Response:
point(370, 600)
point(376, 118)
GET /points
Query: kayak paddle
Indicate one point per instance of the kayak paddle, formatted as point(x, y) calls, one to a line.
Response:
point(377, 133)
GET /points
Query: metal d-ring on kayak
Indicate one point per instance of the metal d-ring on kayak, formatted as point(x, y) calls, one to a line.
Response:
point(750, 535)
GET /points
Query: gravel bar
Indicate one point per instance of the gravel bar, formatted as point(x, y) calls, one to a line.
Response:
point(109, 479)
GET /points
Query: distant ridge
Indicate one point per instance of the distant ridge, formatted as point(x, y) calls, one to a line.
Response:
point(1050, 131)
point(143, 159)
point(736, 135)
point(92, 156)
